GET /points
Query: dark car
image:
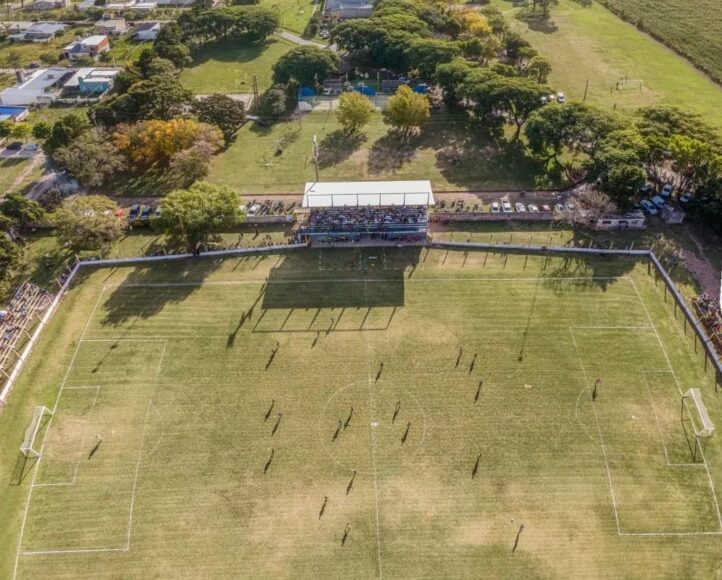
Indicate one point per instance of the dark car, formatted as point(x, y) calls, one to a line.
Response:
point(145, 214)
point(16, 146)
point(134, 211)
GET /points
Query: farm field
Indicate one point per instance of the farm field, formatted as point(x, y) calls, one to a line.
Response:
point(595, 45)
point(691, 29)
point(289, 416)
point(227, 66)
point(278, 159)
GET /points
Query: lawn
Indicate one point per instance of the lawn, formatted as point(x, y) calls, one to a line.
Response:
point(592, 44)
point(229, 66)
point(468, 439)
point(27, 52)
point(294, 14)
point(693, 29)
point(278, 159)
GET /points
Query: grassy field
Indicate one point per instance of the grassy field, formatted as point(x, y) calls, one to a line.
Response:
point(28, 52)
point(445, 152)
point(229, 66)
point(218, 386)
point(595, 45)
point(691, 29)
point(294, 14)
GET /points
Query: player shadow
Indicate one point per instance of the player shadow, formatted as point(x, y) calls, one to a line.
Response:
point(245, 316)
point(149, 288)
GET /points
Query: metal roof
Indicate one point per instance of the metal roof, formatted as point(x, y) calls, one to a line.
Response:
point(367, 193)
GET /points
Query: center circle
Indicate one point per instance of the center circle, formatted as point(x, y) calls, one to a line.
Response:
point(364, 424)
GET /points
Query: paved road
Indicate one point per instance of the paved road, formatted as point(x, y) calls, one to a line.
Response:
point(295, 39)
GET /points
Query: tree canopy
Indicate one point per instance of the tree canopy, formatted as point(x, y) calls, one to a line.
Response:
point(406, 110)
point(89, 222)
point(308, 65)
point(354, 111)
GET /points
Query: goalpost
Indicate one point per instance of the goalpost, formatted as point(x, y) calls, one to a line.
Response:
point(28, 446)
point(707, 428)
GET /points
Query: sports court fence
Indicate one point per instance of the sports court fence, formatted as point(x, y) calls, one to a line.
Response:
point(710, 352)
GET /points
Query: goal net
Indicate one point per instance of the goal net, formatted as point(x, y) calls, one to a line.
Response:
point(28, 446)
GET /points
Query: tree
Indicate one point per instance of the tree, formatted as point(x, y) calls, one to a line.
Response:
point(9, 259)
point(159, 98)
point(307, 64)
point(89, 222)
point(617, 163)
point(539, 68)
point(190, 215)
point(91, 158)
point(354, 111)
point(42, 130)
point(424, 55)
point(20, 210)
point(160, 67)
point(273, 102)
point(169, 45)
point(451, 76)
point(406, 110)
point(222, 111)
point(153, 143)
point(21, 131)
point(696, 162)
point(190, 165)
point(64, 131)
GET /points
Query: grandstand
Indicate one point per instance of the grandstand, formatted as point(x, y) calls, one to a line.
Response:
point(366, 213)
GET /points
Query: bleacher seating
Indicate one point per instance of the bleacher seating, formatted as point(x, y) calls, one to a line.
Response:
point(18, 318)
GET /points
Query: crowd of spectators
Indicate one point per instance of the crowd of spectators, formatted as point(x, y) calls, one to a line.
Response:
point(18, 317)
point(350, 219)
point(711, 317)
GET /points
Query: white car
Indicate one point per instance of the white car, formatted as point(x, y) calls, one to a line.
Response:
point(658, 201)
point(253, 210)
point(667, 190)
point(570, 206)
point(495, 207)
point(648, 207)
point(506, 206)
point(685, 198)
point(532, 207)
point(561, 98)
point(520, 207)
point(559, 207)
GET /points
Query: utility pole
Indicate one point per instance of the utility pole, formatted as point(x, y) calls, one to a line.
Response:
point(255, 90)
point(315, 155)
point(586, 88)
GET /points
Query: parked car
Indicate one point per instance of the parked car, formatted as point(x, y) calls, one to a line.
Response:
point(685, 198)
point(552, 98)
point(520, 207)
point(570, 205)
point(158, 212)
point(666, 190)
point(658, 201)
point(648, 207)
point(561, 98)
point(559, 207)
point(15, 146)
point(506, 206)
point(646, 189)
point(254, 209)
point(495, 207)
point(145, 212)
point(134, 211)
point(32, 147)
point(545, 207)
point(532, 207)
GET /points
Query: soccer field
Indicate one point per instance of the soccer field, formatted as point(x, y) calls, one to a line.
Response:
point(292, 416)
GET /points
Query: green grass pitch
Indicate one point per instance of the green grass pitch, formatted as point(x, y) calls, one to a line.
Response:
point(292, 417)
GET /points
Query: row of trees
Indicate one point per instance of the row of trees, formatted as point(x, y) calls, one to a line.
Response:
point(245, 23)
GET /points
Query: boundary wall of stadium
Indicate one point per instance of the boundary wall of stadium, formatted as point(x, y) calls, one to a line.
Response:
point(710, 352)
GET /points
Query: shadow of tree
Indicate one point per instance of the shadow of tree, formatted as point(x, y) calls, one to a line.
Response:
point(536, 22)
point(392, 151)
point(149, 288)
point(338, 146)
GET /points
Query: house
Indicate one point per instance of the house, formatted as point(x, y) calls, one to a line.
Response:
point(175, 3)
point(48, 5)
point(343, 9)
point(111, 27)
point(91, 47)
point(90, 82)
point(120, 6)
point(42, 87)
point(629, 221)
point(147, 30)
point(17, 26)
point(38, 32)
point(85, 5)
point(145, 6)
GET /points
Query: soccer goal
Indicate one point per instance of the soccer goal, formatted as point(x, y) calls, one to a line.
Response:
point(706, 428)
point(28, 446)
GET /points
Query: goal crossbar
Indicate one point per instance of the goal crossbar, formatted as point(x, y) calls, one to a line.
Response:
point(707, 428)
point(28, 446)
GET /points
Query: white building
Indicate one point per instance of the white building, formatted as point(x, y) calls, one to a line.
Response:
point(630, 221)
point(91, 47)
point(90, 82)
point(147, 30)
point(42, 87)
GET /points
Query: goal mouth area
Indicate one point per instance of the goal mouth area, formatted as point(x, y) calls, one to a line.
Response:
point(28, 445)
point(707, 427)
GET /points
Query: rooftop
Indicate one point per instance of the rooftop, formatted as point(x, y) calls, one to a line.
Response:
point(367, 193)
point(91, 74)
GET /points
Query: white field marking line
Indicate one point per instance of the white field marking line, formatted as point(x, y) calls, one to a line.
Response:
point(47, 430)
point(82, 441)
point(576, 414)
point(659, 430)
point(83, 551)
point(352, 281)
point(373, 443)
point(122, 340)
point(670, 534)
point(613, 328)
point(599, 430)
point(679, 388)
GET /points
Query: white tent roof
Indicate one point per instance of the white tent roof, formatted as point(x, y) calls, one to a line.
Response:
point(367, 193)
